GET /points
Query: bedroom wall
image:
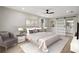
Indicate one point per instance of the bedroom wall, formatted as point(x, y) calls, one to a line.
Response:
point(10, 19)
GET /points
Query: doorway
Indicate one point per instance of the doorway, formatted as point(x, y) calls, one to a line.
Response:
point(69, 26)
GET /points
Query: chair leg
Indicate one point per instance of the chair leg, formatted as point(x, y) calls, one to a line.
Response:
point(6, 49)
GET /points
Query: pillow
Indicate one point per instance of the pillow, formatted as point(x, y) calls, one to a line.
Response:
point(39, 30)
point(30, 31)
point(35, 30)
point(11, 35)
point(4, 35)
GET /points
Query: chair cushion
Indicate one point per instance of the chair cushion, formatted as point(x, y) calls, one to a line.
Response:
point(10, 42)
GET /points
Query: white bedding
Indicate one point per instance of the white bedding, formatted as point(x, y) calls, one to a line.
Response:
point(43, 39)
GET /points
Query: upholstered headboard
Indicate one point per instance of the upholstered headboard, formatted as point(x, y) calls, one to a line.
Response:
point(33, 30)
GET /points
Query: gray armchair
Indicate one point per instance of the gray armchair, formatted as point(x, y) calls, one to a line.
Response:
point(7, 39)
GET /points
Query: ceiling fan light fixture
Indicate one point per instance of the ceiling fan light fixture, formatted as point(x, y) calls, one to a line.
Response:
point(48, 12)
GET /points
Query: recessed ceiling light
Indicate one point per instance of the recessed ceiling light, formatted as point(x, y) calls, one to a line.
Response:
point(23, 8)
point(69, 11)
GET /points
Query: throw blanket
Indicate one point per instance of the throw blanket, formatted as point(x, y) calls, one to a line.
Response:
point(43, 46)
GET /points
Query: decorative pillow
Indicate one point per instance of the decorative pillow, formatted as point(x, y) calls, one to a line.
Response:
point(31, 31)
point(4, 35)
point(10, 35)
point(35, 31)
point(39, 30)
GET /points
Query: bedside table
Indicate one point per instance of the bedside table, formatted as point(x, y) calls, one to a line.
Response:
point(21, 38)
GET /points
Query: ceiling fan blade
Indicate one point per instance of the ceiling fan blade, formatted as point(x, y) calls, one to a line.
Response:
point(47, 12)
point(51, 13)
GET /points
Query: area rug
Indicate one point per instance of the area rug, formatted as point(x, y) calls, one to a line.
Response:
point(57, 47)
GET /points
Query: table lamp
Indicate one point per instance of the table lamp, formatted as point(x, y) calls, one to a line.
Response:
point(20, 30)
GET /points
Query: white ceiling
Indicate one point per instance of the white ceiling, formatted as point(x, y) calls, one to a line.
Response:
point(60, 11)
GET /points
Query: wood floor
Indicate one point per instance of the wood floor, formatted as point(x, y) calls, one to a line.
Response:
point(13, 49)
point(66, 48)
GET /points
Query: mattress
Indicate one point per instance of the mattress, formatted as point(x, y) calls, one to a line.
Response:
point(43, 39)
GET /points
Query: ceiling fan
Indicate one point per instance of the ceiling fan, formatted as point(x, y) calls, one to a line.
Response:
point(48, 11)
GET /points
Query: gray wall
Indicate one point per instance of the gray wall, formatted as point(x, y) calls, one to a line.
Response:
point(11, 19)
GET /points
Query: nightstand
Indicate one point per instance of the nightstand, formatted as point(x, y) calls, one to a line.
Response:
point(21, 38)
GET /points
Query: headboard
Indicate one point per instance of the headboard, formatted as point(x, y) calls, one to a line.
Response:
point(33, 30)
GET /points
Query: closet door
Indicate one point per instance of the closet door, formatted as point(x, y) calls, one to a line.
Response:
point(60, 26)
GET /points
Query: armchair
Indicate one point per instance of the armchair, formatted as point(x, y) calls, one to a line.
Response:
point(7, 39)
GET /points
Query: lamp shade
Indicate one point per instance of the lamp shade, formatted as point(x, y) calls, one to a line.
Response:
point(20, 29)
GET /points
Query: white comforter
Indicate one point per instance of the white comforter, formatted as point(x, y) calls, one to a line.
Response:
point(42, 39)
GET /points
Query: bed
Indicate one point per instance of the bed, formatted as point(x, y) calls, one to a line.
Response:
point(42, 39)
